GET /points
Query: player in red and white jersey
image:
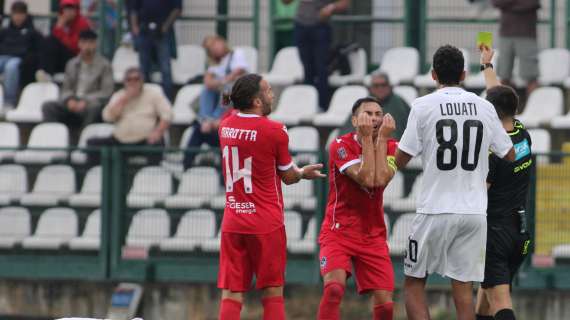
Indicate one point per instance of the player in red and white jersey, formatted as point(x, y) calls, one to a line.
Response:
point(256, 160)
point(353, 233)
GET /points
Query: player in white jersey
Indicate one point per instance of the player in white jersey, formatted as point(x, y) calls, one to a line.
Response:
point(453, 130)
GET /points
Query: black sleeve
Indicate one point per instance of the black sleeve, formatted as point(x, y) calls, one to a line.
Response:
point(493, 162)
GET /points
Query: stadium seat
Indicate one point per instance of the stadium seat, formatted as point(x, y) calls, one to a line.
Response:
point(218, 202)
point(426, 80)
point(45, 135)
point(197, 186)
point(15, 225)
point(90, 239)
point(340, 106)
point(408, 203)
point(191, 62)
point(398, 241)
point(151, 185)
point(308, 244)
point(33, 96)
point(561, 251)
point(541, 144)
point(477, 80)
point(561, 122)
point(296, 103)
point(13, 183)
point(53, 184)
point(90, 194)
point(124, 58)
point(182, 111)
point(9, 138)
point(408, 93)
point(394, 190)
point(543, 105)
point(250, 55)
point(287, 68)
point(194, 227)
point(304, 143)
point(299, 195)
point(293, 226)
point(358, 65)
point(56, 227)
point(94, 130)
point(553, 66)
point(402, 64)
point(173, 159)
point(213, 244)
point(148, 228)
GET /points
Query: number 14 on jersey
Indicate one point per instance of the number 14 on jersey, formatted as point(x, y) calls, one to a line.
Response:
point(234, 173)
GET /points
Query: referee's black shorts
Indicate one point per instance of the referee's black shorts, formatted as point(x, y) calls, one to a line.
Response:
point(506, 250)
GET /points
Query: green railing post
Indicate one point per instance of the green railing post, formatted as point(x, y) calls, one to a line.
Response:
point(102, 48)
point(119, 27)
point(106, 201)
point(256, 23)
point(567, 23)
point(415, 27)
point(272, 14)
point(552, 23)
point(117, 208)
point(222, 25)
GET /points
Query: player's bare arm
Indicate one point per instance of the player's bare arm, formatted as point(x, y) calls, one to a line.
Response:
point(295, 174)
point(510, 155)
point(491, 79)
point(363, 172)
point(384, 170)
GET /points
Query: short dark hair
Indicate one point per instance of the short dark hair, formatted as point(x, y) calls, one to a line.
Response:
point(87, 34)
point(448, 64)
point(383, 75)
point(505, 100)
point(245, 89)
point(19, 7)
point(132, 70)
point(361, 101)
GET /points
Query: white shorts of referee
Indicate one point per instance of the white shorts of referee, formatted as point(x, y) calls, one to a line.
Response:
point(452, 245)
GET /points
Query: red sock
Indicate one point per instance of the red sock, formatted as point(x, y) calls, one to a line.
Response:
point(329, 308)
point(384, 311)
point(273, 308)
point(230, 309)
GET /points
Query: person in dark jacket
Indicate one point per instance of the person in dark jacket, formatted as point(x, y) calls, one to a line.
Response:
point(19, 44)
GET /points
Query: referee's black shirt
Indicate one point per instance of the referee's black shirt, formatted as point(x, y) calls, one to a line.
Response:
point(510, 180)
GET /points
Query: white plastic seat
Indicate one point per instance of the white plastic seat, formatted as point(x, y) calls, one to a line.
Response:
point(15, 225)
point(250, 54)
point(408, 93)
point(124, 58)
point(543, 105)
point(197, 186)
point(401, 64)
point(33, 96)
point(13, 183)
point(358, 65)
point(296, 103)
point(45, 135)
point(191, 61)
point(541, 144)
point(394, 190)
point(293, 226)
point(561, 251)
point(194, 227)
point(308, 244)
point(408, 203)
point(426, 81)
point(287, 68)
point(53, 184)
point(148, 228)
point(340, 106)
point(151, 185)
point(9, 138)
point(561, 122)
point(299, 195)
point(304, 142)
point(212, 245)
point(90, 239)
point(90, 194)
point(182, 112)
point(173, 160)
point(94, 130)
point(553, 66)
point(56, 227)
point(398, 240)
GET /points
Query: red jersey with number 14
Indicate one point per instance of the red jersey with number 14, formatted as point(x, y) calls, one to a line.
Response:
point(253, 148)
point(352, 208)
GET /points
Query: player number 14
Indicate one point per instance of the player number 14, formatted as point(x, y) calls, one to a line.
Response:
point(234, 173)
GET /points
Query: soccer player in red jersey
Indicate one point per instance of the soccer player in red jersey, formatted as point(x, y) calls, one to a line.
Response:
point(353, 233)
point(255, 160)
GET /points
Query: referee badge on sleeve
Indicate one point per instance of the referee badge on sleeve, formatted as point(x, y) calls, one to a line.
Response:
point(341, 152)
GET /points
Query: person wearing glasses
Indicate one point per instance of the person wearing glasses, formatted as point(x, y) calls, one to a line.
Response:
point(381, 89)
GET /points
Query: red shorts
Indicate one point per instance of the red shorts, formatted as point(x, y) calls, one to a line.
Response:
point(243, 255)
point(369, 257)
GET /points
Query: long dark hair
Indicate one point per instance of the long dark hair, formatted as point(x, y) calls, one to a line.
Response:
point(244, 90)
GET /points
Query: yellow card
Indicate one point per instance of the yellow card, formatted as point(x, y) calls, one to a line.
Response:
point(485, 38)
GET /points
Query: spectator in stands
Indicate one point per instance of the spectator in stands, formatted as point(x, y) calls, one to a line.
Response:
point(152, 25)
point(313, 37)
point(284, 28)
point(19, 46)
point(140, 112)
point(228, 66)
point(87, 86)
point(518, 39)
point(63, 43)
point(391, 103)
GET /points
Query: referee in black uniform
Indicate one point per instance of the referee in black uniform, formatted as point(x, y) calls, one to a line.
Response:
point(508, 182)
